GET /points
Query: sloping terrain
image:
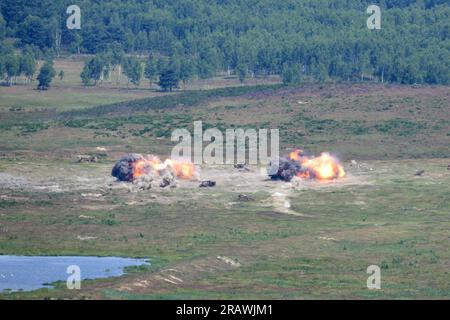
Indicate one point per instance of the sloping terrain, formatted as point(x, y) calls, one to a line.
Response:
point(304, 239)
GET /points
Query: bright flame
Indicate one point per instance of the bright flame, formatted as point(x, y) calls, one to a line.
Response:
point(324, 167)
point(181, 169)
point(296, 155)
point(140, 168)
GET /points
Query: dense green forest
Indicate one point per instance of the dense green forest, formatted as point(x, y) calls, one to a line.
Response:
point(298, 39)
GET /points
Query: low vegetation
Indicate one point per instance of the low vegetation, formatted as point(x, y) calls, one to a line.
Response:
point(382, 214)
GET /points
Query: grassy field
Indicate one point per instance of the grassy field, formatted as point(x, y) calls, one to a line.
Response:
point(69, 93)
point(357, 121)
point(380, 213)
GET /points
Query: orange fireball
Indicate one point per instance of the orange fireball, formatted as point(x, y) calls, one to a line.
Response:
point(324, 167)
point(140, 168)
point(296, 155)
point(181, 169)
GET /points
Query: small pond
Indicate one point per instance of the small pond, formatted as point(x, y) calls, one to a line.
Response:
point(34, 272)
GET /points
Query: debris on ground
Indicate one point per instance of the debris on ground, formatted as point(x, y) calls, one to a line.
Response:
point(207, 184)
point(168, 179)
point(8, 181)
point(281, 203)
point(327, 239)
point(86, 238)
point(91, 195)
point(86, 158)
point(229, 261)
point(143, 183)
point(287, 204)
point(419, 173)
point(244, 197)
point(242, 167)
point(3, 230)
point(82, 216)
point(170, 279)
point(297, 182)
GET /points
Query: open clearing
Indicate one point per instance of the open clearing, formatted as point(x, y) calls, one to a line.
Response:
point(69, 93)
point(320, 247)
point(292, 240)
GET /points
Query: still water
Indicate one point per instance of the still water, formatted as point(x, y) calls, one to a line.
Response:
point(34, 272)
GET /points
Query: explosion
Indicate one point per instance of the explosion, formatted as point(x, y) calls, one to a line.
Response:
point(323, 167)
point(133, 166)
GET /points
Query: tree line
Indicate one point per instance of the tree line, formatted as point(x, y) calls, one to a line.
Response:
point(14, 64)
point(166, 72)
point(297, 39)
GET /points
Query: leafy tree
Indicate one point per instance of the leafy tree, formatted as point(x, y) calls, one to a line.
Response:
point(132, 68)
point(2, 68)
point(5, 51)
point(151, 69)
point(93, 70)
point(241, 70)
point(76, 43)
point(46, 75)
point(326, 38)
point(141, 42)
point(14, 11)
point(115, 56)
point(27, 66)
point(205, 68)
point(95, 37)
point(162, 64)
point(319, 71)
point(11, 65)
point(34, 31)
point(291, 74)
point(2, 28)
point(85, 75)
point(175, 65)
point(186, 72)
point(117, 53)
point(169, 79)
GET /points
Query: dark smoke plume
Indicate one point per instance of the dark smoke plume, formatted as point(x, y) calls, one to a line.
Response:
point(283, 169)
point(123, 169)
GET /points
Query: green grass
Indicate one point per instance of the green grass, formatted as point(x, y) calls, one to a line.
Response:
point(55, 99)
point(395, 220)
point(185, 99)
point(388, 217)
